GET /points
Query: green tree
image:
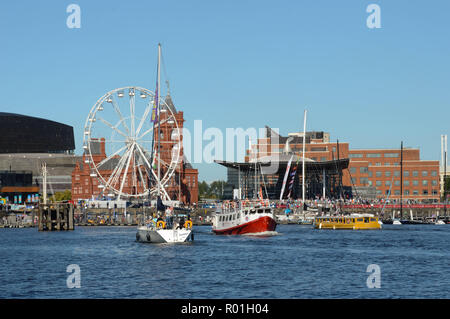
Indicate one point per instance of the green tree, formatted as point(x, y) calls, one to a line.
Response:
point(61, 196)
point(203, 189)
point(212, 191)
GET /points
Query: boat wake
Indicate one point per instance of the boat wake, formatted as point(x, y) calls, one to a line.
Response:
point(263, 234)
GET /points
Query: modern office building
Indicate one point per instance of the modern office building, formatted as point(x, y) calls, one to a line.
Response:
point(29, 142)
point(381, 169)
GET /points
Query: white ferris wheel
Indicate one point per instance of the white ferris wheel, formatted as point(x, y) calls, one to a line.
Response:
point(139, 160)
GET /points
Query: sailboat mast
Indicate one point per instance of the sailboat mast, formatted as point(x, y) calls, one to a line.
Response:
point(445, 175)
point(158, 87)
point(44, 182)
point(303, 159)
point(401, 179)
point(339, 170)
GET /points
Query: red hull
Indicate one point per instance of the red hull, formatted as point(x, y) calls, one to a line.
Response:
point(259, 225)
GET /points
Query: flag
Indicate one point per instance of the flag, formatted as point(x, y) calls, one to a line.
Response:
point(155, 106)
point(285, 177)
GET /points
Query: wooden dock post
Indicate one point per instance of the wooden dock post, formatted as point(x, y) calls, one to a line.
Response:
point(58, 216)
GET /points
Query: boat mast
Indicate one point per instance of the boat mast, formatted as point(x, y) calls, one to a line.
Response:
point(158, 86)
point(445, 175)
point(44, 182)
point(339, 171)
point(303, 159)
point(401, 180)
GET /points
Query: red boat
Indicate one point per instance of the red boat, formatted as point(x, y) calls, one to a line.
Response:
point(244, 218)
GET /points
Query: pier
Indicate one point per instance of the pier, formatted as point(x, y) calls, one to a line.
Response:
point(57, 216)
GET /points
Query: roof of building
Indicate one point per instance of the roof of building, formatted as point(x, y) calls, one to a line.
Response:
point(27, 134)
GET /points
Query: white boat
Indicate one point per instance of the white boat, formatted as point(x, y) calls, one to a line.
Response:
point(439, 222)
point(152, 234)
point(179, 231)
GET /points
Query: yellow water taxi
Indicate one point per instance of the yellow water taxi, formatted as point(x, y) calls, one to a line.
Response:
point(354, 221)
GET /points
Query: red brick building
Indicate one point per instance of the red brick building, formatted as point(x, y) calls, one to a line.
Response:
point(369, 169)
point(182, 186)
point(381, 169)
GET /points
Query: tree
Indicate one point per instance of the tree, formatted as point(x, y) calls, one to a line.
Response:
point(213, 190)
point(61, 196)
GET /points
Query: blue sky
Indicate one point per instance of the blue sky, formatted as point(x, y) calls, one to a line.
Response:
point(240, 64)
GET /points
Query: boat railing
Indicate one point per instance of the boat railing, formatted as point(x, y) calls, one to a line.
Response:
point(230, 206)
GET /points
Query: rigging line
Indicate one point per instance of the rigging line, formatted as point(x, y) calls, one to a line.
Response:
point(351, 180)
point(264, 181)
point(165, 72)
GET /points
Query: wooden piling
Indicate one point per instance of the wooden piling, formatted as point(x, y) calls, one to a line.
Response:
point(58, 216)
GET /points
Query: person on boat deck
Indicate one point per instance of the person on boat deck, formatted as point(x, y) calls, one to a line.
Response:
point(169, 218)
point(181, 223)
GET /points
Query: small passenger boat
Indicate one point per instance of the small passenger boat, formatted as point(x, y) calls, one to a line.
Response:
point(354, 221)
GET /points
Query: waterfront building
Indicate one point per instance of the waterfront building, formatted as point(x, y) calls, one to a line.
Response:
point(324, 165)
point(380, 169)
point(370, 173)
point(182, 186)
point(27, 143)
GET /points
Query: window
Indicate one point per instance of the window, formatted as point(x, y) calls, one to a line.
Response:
point(372, 155)
point(390, 154)
point(387, 164)
point(387, 183)
point(377, 164)
point(397, 192)
point(353, 180)
point(353, 170)
point(406, 173)
point(363, 170)
point(434, 182)
point(406, 192)
point(433, 173)
point(323, 159)
point(355, 155)
point(424, 192)
point(415, 173)
point(364, 180)
point(406, 183)
point(424, 182)
point(424, 173)
point(415, 192)
point(387, 174)
point(397, 183)
point(370, 173)
point(435, 192)
point(397, 173)
point(370, 183)
point(415, 183)
point(378, 183)
point(378, 174)
point(379, 192)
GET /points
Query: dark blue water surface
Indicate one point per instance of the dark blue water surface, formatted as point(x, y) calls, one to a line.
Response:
point(299, 262)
